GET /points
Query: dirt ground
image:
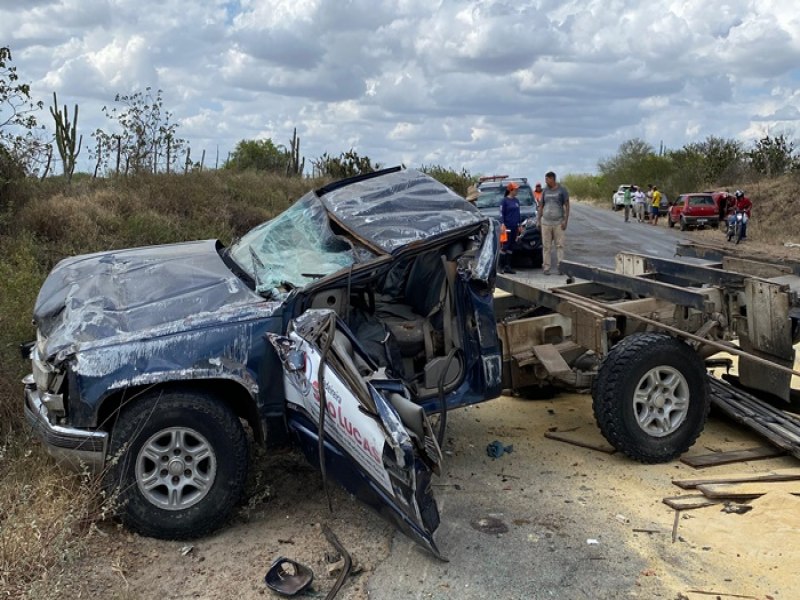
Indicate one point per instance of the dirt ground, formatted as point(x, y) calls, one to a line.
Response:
point(592, 496)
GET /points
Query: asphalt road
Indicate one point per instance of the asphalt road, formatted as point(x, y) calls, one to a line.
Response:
point(595, 235)
point(551, 554)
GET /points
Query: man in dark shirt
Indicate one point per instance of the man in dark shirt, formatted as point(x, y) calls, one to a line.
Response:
point(511, 219)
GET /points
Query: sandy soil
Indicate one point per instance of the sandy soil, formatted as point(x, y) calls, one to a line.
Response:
point(753, 555)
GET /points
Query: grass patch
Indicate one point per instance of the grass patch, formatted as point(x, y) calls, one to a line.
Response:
point(46, 515)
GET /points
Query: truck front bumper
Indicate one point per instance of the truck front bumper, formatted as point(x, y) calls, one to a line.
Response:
point(75, 447)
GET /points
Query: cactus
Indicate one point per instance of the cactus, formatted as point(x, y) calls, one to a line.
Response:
point(295, 166)
point(66, 137)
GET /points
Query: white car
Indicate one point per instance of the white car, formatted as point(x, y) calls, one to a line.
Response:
point(618, 199)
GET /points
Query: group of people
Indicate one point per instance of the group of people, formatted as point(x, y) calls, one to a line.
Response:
point(642, 204)
point(552, 216)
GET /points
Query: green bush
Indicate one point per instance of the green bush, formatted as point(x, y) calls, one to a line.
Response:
point(588, 187)
point(458, 181)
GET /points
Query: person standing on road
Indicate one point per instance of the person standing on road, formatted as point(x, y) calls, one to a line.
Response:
point(655, 207)
point(511, 220)
point(627, 199)
point(537, 196)
point(648, 198)
point(553, 220)
point(638, 203)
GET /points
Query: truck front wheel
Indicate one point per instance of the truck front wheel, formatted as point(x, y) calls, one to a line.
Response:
point(178, 465)
point(651, 397)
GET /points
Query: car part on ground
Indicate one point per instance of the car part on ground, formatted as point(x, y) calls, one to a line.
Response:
point(288, 577)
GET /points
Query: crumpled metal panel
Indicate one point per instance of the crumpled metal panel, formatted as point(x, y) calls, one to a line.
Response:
point(399, 208)
point(115, 294)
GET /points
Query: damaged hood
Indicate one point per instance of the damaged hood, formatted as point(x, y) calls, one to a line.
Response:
point(111, 294)
point(394, 208)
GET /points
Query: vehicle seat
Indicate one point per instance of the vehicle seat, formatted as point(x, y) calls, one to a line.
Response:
point(423, 295)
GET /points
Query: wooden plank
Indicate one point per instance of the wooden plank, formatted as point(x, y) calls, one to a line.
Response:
point(723, 458)
point(747, 491)
point(777, 475)
point(577, 441)
point(689, 502)
point(551, 359)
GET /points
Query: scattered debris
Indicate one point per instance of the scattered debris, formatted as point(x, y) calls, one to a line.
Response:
point(288, 577)
point(186, 550)
point(723, 458)
point(576, 441)
point(496, 449)
point(593, 542)
point(675, 526)
point(736, 509)
point(776, 475)
point(780, 428)
point(646, 530)
point(689, 502)
point(346, 567)
point(721, 594)
point(748, 491)
point(490, 525)
point(622, 519)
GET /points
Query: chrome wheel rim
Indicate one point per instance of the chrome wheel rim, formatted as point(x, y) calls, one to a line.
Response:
point(176, 468)
point(661, 401)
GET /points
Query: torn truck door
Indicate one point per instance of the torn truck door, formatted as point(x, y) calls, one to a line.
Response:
point(378, 444)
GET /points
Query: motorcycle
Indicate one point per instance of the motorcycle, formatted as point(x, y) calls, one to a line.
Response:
point(736, 224)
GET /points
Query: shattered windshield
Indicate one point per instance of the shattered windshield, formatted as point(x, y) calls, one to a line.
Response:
point(294, 249)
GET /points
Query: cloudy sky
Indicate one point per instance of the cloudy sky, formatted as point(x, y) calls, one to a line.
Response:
point(497, 85)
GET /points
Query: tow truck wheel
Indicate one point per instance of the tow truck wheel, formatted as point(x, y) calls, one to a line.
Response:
point(179, 462)
point(651, 397)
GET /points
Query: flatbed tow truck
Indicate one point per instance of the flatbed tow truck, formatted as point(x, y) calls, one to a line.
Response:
point(643, 337)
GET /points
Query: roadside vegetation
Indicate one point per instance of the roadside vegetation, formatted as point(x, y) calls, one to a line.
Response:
point(768, 170)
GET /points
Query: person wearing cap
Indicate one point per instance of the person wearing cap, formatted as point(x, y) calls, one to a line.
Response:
point(537, 195)
point(511, 219)
point(553, 220)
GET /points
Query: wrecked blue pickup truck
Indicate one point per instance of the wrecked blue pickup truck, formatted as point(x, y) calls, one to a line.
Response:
point(359, 311)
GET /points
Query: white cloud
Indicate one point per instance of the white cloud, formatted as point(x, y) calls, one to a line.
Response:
point(490, 85)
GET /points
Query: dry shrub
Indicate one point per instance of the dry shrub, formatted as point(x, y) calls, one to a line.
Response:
point(80, 224)
point(45, 517)
point(776, 219)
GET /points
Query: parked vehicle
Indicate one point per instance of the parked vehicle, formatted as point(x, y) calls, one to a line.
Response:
point(154, 356)
point(528, 252)
point(618, 198)
point(693, 210)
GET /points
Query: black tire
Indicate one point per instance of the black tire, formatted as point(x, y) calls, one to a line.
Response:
point(684, 225)
point(537, 259)
point(193, 422)
point(624, 370)
point(670, 222)
point(738, 232)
